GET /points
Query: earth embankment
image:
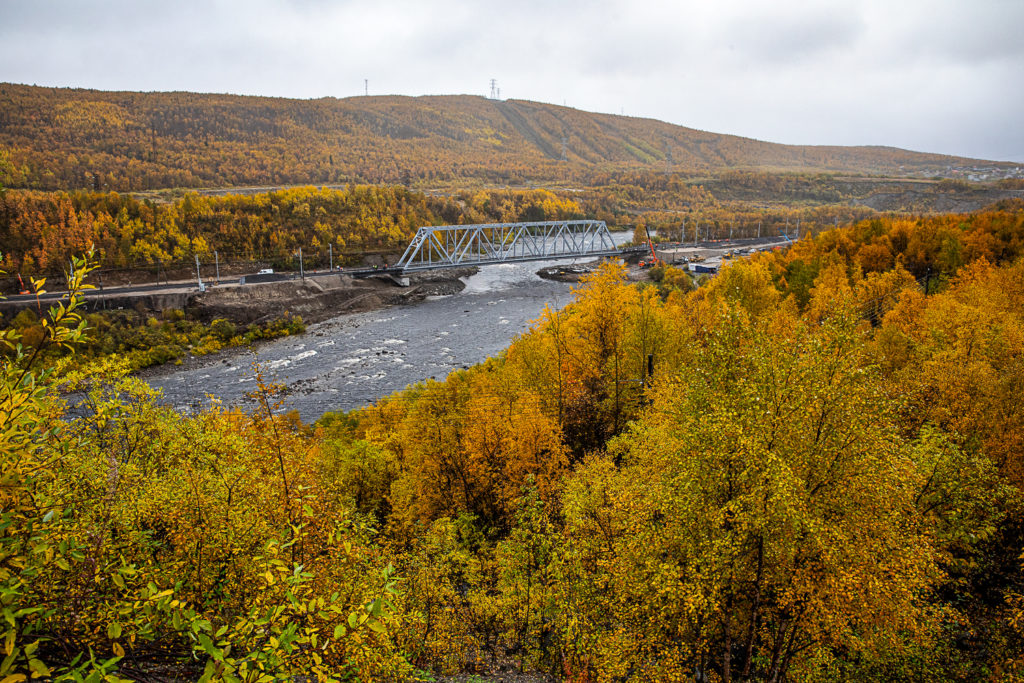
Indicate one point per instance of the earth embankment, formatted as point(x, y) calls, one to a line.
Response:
point(318, 298)
point(315, 298)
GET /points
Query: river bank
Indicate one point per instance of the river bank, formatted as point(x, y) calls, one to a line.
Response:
point(314, 300)
point(359, 350)
point(319, 297)
point(351, 360)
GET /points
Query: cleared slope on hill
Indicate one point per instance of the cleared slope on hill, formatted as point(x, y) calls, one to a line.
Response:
point(63, 138)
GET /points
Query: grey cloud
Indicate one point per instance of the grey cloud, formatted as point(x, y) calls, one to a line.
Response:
point(795, 36)
point(991, 32)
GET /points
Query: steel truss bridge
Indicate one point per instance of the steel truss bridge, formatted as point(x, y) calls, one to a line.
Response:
point(448, 246)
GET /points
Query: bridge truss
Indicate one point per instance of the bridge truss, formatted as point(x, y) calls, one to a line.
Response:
point(446, 246)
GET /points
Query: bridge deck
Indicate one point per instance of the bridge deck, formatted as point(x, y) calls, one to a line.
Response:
point(448, 246)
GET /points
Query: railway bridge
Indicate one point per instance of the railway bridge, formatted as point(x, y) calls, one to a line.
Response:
point(452, 246)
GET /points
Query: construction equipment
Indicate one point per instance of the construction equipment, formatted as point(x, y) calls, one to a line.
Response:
point(654, 260)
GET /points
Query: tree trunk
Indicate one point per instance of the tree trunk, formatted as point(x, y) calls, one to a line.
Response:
point(755, 611)
point(727, 644)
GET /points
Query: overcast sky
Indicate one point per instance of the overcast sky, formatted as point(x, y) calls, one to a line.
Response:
point(929, 75)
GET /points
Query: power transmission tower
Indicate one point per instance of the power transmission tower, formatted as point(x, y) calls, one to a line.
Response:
point(494, 89)
point(366, 87)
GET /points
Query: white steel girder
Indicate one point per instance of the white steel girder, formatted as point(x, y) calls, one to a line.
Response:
point(445, 246)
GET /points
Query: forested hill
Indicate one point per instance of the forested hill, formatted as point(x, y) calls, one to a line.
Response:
point(52, 138)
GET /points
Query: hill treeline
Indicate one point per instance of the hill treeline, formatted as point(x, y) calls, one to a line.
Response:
point(128, 141)
point(807, 468)
point(40, 231)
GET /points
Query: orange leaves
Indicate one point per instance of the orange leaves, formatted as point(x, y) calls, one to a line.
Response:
point(955, 356)
point(41, 230)
point(879, 292)
point(779, 500)
point(772, 468)
point(747, 285)
point(524, 438)
point(467, 445)
point(875, 257)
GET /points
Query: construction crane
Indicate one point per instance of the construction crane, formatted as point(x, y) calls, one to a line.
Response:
point(654, 260)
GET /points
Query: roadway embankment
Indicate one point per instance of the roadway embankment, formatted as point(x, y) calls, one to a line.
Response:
point(315, 298)
point(318, 298)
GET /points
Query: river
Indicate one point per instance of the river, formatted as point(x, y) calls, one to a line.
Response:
point(353, 360)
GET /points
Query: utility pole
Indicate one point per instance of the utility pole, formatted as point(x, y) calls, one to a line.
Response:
point(216, 260)
point(199, 278)
point(330, 255)
point(758, 229)
point(302, 273)
point(366, 87)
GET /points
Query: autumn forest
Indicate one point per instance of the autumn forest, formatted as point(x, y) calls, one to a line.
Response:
point(808, 467)
point(73, 139)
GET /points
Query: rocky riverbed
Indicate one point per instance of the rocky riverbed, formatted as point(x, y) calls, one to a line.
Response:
point(352, 359)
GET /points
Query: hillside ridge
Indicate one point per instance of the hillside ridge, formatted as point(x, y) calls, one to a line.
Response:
point(69, 138)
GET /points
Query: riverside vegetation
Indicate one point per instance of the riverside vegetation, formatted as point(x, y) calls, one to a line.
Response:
point(143, 240)
point(820, 480)
point(142, 340)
